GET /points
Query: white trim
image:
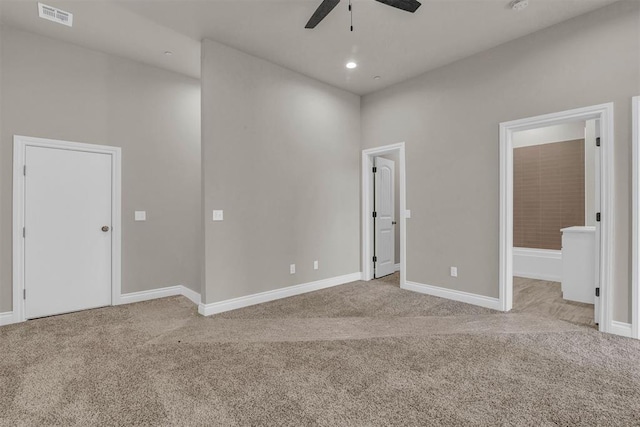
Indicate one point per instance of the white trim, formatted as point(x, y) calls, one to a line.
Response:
point(191, 294)
point(151, 294)
point(129, 298)
point(139, 296)
point(635, 197)
point(397, 267)
point(466, 297)
point(540, 264)
point(620, 328)
point(8, 318)
point(20, 144)
point(367, 223)
point(259, 298)
point(604, 113)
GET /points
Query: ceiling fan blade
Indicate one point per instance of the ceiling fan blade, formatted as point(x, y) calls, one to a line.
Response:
point(407, 5)
point(323, 10)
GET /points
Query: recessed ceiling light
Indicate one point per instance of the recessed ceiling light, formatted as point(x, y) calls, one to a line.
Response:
point(351, 65)
point(168, 52)
point(519, 5)
point(376, 77)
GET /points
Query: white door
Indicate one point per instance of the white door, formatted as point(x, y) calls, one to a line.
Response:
point(384, 224)
point(67, 230)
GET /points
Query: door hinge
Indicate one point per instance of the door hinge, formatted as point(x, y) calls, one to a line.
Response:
point(598, 217)
point(375, 214)
point(24, 170)
point(598, 142)
point(375, 259)
point(375, 169)
point(24, 294)
point(24, 232)
point(597, 292)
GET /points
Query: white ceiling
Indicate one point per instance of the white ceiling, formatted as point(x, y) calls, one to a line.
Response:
point(387, 42)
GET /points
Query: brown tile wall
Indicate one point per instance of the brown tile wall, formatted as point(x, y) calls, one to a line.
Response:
point(548, 193)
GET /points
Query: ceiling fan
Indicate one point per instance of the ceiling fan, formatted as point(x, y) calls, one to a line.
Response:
point(328, 5)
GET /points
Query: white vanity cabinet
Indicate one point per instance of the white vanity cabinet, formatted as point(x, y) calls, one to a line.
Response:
point(578, 264)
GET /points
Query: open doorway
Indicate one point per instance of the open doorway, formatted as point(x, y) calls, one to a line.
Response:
point(554, 221)
point(384, 213)
point(556, 215)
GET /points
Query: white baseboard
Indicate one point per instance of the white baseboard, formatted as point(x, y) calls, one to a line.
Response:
point(245, 301)
point(191, 294)
point(466, 297)
point(150, 294)
point(159, 293)
point(620, 328)
point(7, 318)
point(397, 267)
point(541, 264)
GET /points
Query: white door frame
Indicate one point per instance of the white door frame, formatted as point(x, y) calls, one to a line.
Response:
point(635, 257)
point(20, 144)
point(367, 207)
point(604, 113)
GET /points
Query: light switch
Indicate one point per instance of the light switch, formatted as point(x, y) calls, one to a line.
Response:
point(218, 215)
point(140, 215)
point(407, 213)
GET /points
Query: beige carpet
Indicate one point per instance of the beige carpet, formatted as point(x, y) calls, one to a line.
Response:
point(361, 354)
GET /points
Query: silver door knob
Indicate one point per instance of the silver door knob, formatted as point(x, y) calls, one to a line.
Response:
point(105, 228)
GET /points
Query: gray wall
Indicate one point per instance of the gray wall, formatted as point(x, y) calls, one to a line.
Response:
point(57, 90)
point(449, 120)
point(281, 158)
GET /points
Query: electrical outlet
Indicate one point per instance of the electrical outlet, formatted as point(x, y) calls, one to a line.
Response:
point(218, 215)
point(292, 269)
point(454, 271)
point(315, 265)
point(140, 215)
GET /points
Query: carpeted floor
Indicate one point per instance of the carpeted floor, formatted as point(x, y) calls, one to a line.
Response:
point(362, 354)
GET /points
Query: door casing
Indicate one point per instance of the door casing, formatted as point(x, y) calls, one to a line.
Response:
point(604, 113)
point(635, 258)
point(367, 208)
point(20, 143)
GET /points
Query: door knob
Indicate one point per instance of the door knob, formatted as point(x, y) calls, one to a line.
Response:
point(105, 228)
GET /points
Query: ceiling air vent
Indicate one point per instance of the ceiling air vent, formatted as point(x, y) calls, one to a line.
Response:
point(55, 15)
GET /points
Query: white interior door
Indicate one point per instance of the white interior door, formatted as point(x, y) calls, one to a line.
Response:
point(384, 223)
point(67, 230)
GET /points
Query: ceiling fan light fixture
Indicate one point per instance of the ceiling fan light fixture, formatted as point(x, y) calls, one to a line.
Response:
point(351, 65)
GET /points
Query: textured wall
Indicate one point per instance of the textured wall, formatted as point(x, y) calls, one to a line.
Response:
point(548, 193)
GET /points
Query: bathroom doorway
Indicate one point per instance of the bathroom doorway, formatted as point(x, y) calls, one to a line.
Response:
point(556, 215)
point(554, 221)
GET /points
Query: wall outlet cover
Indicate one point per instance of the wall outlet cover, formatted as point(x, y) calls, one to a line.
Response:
point(315, 265)
point(140, 215)
point(218, 215)
point(292, 269)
